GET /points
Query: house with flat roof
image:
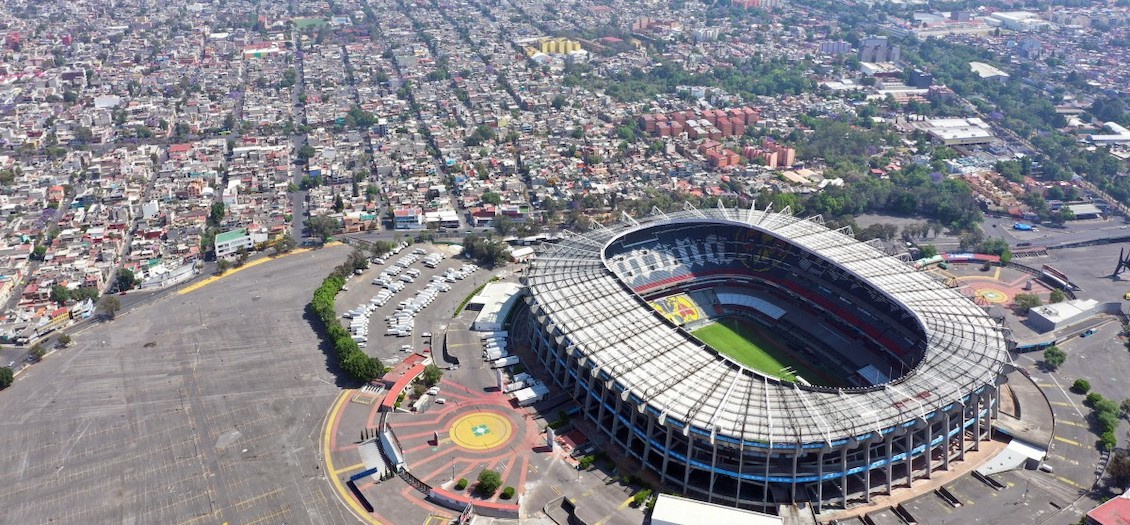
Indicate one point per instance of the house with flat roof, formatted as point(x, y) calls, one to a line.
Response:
point(230, 242)
point(408, 218)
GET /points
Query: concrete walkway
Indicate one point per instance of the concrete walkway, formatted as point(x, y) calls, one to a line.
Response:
point(939, 478)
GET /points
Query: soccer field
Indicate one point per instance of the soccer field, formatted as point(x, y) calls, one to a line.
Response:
point(741, 343)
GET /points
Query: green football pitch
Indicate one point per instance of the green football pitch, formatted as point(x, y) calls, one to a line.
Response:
point(741, 343)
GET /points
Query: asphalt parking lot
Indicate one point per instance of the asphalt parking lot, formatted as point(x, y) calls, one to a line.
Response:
point(195, 408)
point(433, 319)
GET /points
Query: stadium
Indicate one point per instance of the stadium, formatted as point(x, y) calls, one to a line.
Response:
point(752, 358)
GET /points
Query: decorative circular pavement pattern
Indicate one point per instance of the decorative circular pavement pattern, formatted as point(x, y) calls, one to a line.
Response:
point(992, 295)
point(481, 431)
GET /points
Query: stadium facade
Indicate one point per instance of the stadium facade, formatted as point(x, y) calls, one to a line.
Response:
point(929, 360)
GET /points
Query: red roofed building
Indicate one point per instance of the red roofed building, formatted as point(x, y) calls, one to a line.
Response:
point(56, 193)
point(1113, 512)
point(397, 379)
point(179, 151)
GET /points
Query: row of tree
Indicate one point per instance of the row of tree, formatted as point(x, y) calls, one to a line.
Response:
point(487, 251)
point(351, 358)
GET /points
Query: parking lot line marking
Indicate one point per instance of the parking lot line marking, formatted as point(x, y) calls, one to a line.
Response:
point(556, 489)
point(349, 468)
point(1071, 482)
point(1068, 441)
point(1060, 387)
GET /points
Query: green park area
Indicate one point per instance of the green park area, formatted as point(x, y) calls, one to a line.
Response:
point(303, 23)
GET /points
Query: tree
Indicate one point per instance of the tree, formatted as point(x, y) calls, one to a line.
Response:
point(109, 306)
point(6, 377)
point(60, 294)
point(1108, 440)
point(84, 135)
point(216, 216)
point(489, 481)
point(432, 375)
point(1081, 386)
point(322, 226)
point(491, 197)
point(222, 266)
point(928, 250)
point(1025, 302)
point(1056, 296)
point(503, 224)
point(64, 340)
point(1054, 357)
point(339, 204)
point(285, 244)
point(381, 248)
point(1119, 469)
point(125, 280)
point(241, 257)
point(993, 246)
point(38, 351)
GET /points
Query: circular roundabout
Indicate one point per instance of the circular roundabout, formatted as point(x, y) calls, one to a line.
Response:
point(481, 431)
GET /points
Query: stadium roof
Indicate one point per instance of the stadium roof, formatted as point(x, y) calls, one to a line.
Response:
point(683, 383)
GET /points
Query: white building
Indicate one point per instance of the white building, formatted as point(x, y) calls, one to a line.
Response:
point(1055, 316)
point(493, 304)
point(228, 243)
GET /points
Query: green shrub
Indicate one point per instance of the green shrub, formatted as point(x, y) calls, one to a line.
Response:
point(461, 484)
point(1081, 386)
point(489, 481)
point(508, 493)
point(641, 497)
point(1105, 405)
point(1093, 397)
point(586, 461)
point(1108, 440)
